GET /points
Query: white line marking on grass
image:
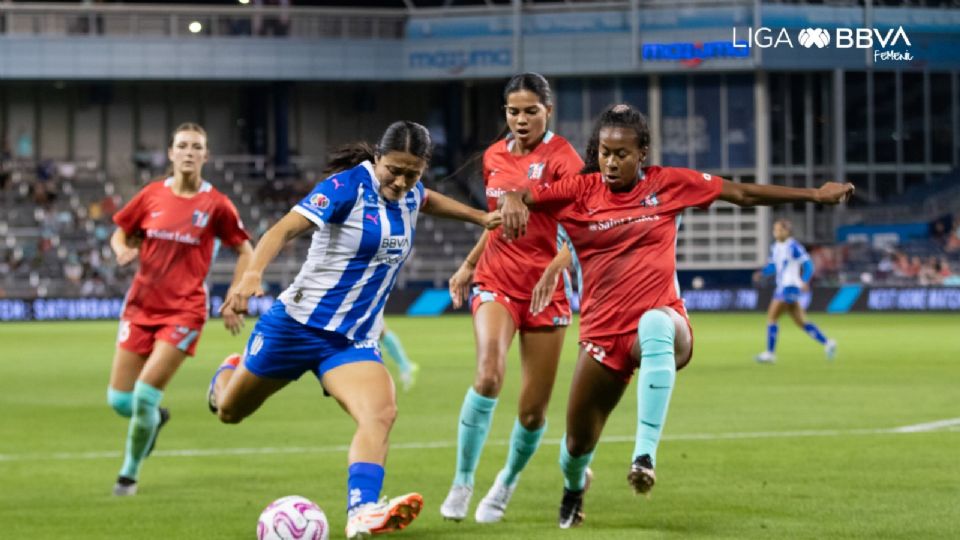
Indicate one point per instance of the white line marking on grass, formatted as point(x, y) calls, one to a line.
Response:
point(952, 425)
point(929, 426)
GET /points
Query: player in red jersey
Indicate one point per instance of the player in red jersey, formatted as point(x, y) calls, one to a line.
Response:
point(172, 225)
point(623, 220)
point(507, 277)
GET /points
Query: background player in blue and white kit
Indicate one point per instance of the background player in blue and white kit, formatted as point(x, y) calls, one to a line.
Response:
point(794, 269)
point(329, 320)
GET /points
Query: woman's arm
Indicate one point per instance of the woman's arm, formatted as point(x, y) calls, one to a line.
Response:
point(768, 195)
point(288, 228)
point(124, 253)
point(460, 281)
point(443, 206)
point(232, 320)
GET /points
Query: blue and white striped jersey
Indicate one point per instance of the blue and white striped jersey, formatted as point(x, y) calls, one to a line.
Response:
point(790, 262)
point(360, 244)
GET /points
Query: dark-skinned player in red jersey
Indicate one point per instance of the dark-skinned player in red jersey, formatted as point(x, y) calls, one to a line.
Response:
point(173, 226)
point(506, 277)
point(623, 220)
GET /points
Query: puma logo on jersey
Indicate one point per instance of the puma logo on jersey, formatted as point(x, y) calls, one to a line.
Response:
point(372, 218)
point(336, 183)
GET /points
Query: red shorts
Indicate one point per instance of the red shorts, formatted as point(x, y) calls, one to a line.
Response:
point(557, 312)
point(614, 352)
point(139, 339)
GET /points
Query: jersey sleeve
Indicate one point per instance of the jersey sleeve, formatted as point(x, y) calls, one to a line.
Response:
point(229, 226)
point(567, 163)
point(798, 253)
point(132, 213)
point(330, 201)
point(689, 188)
point(559, 193)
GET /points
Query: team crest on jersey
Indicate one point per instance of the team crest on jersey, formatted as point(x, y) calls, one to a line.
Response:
point(200, 219)
point(535, 171)
point(650, 201)
point(707, 177)
point(319, 200)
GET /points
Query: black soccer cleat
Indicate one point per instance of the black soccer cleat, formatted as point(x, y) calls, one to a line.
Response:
point(571, 508)
point(164, 418)
point(641, 476)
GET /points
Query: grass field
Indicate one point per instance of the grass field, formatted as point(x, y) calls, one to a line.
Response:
point(801, 449)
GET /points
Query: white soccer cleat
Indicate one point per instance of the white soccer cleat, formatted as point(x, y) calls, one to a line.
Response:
point(457, 502)
point(408, 377)
point(830, 349)
point(384, 516)
point(766, 357)
point(125, 487)
point(494, 504)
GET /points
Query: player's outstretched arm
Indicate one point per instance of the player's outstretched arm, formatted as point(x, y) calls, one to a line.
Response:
point(288, 228)
point(460, 281)
point(769, 195)
point(445, 207)
point(232, 320)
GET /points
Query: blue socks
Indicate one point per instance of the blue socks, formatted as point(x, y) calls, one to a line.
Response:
point(574, 469)
point(658, 370)
point(523, 444)
point(475, 417)
point(814, 332)
point(143, 427)
point(772, 330)
point(122, 402)
point(395, 349)
point(364, 482)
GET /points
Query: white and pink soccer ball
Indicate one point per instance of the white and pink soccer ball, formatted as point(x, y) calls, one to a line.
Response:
point(293, 518)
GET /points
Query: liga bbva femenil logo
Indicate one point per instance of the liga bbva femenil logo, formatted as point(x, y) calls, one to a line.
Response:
point(882, 41)
point(814, 37)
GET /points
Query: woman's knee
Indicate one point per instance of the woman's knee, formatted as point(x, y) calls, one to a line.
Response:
point(532, 419)
point(229, 415)
point(580, 443)
point(489, 377)
point(379, 419)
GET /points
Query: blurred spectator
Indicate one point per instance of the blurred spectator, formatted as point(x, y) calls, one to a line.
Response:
point(24, 144)
point(6, 165)
point(940, 231)
point(953, 242)
point(929, 273)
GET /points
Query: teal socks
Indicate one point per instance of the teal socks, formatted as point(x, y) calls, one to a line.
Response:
point(523, 444)
point(122, 402)
point(395, 349)
point(143, 427)
point(475, 417)
point(574, 469)
point(658, 370)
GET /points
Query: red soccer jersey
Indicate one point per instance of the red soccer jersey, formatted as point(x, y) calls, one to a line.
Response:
point(515, 267)
point(177, 250)
point(626, 242)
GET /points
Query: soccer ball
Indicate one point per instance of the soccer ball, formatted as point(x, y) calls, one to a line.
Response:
point(291, 518)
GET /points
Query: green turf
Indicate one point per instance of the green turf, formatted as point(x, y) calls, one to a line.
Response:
point(794, 450)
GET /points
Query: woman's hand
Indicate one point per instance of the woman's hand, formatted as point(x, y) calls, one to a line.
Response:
point(237, 297)
point(232, 320)
point(543, 290)
point(835, 192)
point(460, 284)
point(515, 214)
point(492, 220)
point(125, 254)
